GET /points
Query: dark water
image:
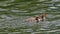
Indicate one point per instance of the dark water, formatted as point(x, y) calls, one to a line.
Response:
point(14, 12)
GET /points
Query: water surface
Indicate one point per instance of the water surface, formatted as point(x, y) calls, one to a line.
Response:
point(14, 12)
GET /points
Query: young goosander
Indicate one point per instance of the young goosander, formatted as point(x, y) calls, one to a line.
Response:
point(37, 18)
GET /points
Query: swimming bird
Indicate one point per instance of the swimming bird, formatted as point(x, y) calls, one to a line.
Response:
point(42, 17)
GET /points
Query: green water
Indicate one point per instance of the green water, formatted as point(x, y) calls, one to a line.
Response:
point(14, 12)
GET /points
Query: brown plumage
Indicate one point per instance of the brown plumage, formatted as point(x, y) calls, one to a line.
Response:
point(43, 16)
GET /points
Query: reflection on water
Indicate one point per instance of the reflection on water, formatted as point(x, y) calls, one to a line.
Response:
point(14, 12)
